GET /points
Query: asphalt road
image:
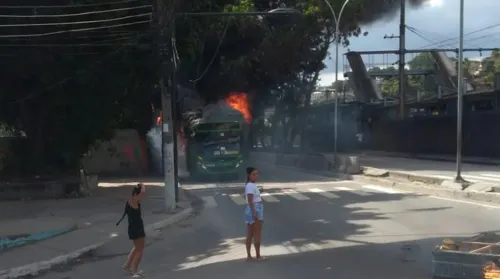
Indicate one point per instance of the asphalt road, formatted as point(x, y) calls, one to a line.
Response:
point(314, 228)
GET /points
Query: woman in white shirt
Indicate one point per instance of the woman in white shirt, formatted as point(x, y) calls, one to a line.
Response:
point(254, 214)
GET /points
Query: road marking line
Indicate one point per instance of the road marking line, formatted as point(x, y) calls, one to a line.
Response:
point(443, 177)
point(268, 198)
point(209, 201)
point(381, 189)
point(324, 193)
point(238, 199)
point(359, 193)
point(480, 177)
point(343, 189)
point(467, 202)
point(295, 195)
point(490, 175)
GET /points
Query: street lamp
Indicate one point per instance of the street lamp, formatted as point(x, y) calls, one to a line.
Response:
point(460, 94)
point(337, 44)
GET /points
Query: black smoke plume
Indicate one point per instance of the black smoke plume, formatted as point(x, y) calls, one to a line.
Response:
point(375, 10)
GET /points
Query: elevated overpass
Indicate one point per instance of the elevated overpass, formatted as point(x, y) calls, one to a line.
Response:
point(445, 71)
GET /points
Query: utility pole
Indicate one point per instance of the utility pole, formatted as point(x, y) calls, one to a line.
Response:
point(402, 48)
point(165, 17)
point(460, 95)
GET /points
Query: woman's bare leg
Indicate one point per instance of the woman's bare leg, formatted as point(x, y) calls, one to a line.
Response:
point(257, 237)
point(130, 257)
point(138, 254)
point(248, 241)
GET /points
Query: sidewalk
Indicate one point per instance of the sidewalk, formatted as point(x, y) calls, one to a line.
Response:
point(38, 235)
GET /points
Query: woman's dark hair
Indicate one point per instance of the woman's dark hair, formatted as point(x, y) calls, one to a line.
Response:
point(249, 172)
point(137, 190)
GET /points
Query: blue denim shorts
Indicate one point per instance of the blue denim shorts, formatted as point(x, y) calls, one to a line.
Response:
point(259, 208)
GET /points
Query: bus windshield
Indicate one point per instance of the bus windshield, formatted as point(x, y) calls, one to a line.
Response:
point(219, 139)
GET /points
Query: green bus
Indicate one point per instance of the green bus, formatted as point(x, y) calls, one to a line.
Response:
point(215, 149)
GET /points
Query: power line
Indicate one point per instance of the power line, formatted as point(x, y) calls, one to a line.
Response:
point(75, 22)
point(215, 54)
point(456, 38)
point(70, 6)
point(108, 42)
point(77, 14)
point(74, 30)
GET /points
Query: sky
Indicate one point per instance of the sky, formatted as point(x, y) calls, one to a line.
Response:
point(436, 21)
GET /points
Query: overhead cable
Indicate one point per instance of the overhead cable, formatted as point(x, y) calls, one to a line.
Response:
point(73, 30)
point(77, 14)
point(71, 6)
point(467, 34)
point(73, 23)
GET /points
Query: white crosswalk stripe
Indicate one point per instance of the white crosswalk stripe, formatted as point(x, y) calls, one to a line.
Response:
point(324, 193)
point(279, 195)
point(353, 191)
point(381, 189)
point(268, 197)
point(296, 195)
point(238, 199)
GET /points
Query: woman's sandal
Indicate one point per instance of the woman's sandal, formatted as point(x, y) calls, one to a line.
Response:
point(126, 268)
point(138, 274)
point(261, 258)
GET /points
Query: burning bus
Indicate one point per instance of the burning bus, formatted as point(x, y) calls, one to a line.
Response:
point(212, 138)
point(215, 148)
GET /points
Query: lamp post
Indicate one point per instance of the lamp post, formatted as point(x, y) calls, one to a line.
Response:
point(168, 69)
point(337, 44)
point(460, 95)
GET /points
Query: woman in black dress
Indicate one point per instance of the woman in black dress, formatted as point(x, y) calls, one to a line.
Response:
point(135, 230)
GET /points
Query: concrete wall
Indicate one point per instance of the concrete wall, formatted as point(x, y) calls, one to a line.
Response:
point(126, 153)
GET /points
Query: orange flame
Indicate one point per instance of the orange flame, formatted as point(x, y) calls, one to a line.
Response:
point(491, 271)
point(239, 102)
point(159, 119)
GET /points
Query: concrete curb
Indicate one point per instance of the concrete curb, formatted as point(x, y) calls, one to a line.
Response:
point(402, 176)
point(34, 269)
point(437, 190)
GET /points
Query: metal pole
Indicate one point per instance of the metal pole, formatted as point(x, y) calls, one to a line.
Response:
point(336, 115)
point(460, 95)
point(174, 105)
point(402, 46)
point(165, 57)
point(337, 44)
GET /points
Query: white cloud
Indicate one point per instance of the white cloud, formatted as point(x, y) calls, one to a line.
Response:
point(326, 79)
point(435, 3)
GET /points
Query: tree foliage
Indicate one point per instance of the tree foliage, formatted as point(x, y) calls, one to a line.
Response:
point(65, 95)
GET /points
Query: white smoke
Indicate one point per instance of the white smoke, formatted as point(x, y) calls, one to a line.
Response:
point(154, 139)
